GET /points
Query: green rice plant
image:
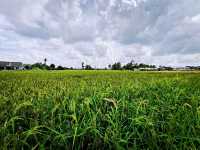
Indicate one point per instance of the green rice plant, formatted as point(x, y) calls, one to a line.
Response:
point(99, 110)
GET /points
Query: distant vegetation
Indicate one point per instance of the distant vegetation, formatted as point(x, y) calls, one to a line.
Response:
point(132, 65)
point(116, 66)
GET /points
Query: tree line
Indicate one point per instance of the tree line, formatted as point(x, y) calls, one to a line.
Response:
point(132, 65)
point(129, 66)
point(116, 66)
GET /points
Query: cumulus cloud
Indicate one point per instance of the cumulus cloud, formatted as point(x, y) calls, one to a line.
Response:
point(100, 32)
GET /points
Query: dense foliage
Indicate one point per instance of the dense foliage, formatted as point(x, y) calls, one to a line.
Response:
point(99, 110)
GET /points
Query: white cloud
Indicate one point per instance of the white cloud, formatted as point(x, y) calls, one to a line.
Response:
point(196, 18)
point(100, 32)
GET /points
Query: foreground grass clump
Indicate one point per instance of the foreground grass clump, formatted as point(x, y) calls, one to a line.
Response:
point(99, 110)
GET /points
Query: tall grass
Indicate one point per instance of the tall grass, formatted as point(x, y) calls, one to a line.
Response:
point(99, 110)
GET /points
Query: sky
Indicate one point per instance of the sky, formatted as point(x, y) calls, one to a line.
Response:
point(100, 32)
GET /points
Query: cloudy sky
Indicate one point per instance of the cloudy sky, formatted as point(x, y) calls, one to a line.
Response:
point(100, 32)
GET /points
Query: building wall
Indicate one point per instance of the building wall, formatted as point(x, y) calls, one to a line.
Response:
point(10, 65)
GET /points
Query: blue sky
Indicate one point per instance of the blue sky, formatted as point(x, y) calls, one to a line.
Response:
point(100, 32)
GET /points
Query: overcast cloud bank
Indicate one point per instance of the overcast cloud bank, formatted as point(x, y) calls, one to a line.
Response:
point(99, 32)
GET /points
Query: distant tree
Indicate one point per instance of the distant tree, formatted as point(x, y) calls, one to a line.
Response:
point(110, 66)
point(82, 65)
point(129, 66)
point(52, 67)
point(27, 67)
point(60, 68)
point(116, 66)
point(40, 66)
point(88, 67)
point(37, 65)
point(152, 66)
point(46, 67)
point(141, 65)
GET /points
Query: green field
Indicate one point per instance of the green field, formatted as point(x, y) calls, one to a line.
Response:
point(99, 110)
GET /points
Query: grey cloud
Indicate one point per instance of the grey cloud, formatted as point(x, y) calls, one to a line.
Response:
point(100, 31)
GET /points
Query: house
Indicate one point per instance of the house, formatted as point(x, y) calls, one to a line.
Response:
point(181, 69)
point(165, 68)
point(187, 68)
point(11, 65)
point(148, 69)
